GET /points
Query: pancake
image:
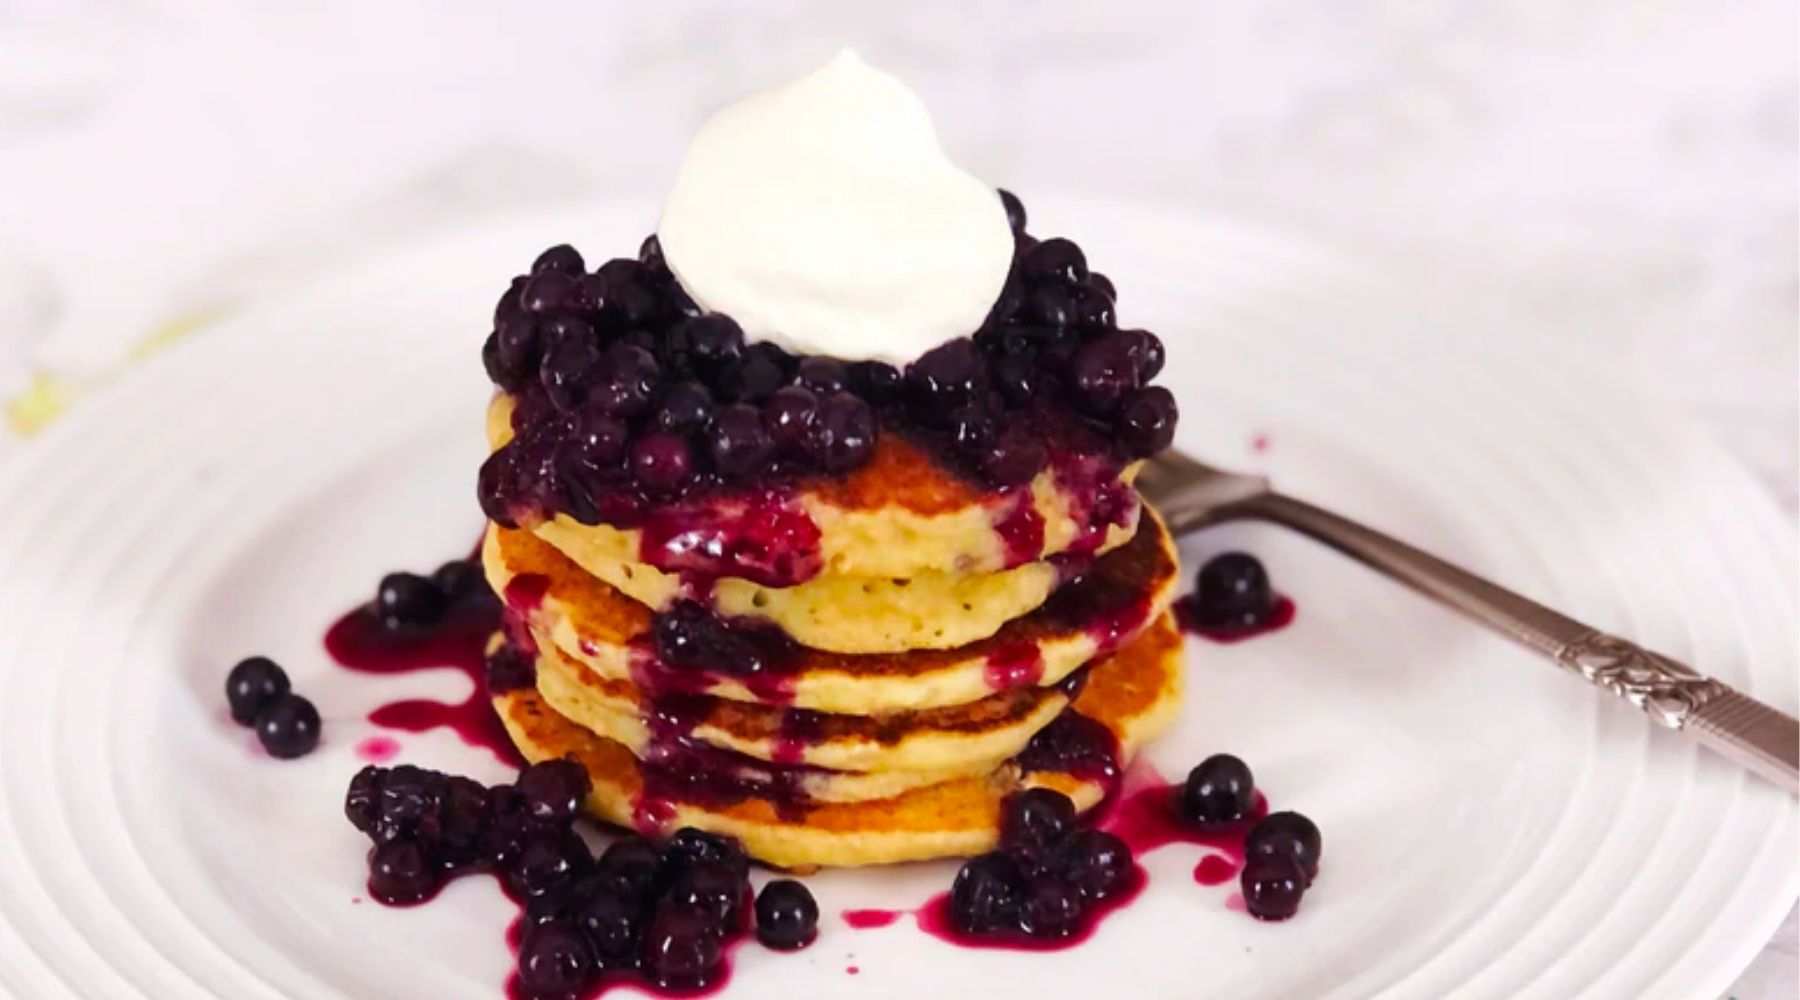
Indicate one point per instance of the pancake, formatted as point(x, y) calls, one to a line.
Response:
point(1133, 693)
point(903, 514)
point(609, 633)
point(947, 742)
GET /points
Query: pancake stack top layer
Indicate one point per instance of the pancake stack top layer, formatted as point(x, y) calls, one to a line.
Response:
point(835, 608)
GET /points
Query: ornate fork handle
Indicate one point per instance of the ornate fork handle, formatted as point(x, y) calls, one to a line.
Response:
point(1672, 693)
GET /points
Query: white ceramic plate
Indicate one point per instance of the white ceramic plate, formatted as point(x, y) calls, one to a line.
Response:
point(1492, 829)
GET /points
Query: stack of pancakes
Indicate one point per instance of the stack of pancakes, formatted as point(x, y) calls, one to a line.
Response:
point(946, 646)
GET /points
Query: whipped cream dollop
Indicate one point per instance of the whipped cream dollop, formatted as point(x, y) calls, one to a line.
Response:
point(823, 215)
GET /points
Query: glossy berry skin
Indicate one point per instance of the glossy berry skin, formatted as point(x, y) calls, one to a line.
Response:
point(661, 462)
point(756, 374)
point(408, 600)
point(553, 790)
point(547, 292)
point(876, 381)
point(1057, 260)
point(1220, 790)
point(1051, 909)
point(787, 916)
point(1015, 210)
point(985, 897)
point(555, 961)
point(253, 684)
point(844, 433)
point(681, 949)
point(822, 375)
point(625, 383)
point(712, 342)
point(1102, 373)
point(690, 846)
point(547, 862)
point(712, 888)
point(1146, 422)
point(788, 415)
point(1096, 863)
point(945, 378)
point(461, 580)
point(562, 257)
point(1272, 888)
point(629, 868)
point(400, 874)
point(1232, 591)
point(738, 443)
point(611, 922)
point(288, 727)
point(1035, 821)
point(686, 409)
point(1286, 835)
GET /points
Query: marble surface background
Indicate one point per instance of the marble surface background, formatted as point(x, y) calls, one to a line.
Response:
point(1620, 179)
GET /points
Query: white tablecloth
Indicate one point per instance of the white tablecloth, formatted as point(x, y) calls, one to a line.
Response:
point(1617, 176)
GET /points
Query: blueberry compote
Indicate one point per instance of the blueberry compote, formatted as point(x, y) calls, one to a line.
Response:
point(636, 408)
point(424, 623)
point(1047, 886)
point(654, 916)
point(1233, 600)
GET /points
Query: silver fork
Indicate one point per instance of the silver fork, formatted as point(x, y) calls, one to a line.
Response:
point(1191, 495)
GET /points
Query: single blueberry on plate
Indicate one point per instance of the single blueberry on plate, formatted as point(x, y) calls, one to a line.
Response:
point(1219, 790)
point(288, 727)
point(787, 916)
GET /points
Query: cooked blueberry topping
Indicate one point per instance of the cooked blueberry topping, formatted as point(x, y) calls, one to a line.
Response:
point(1273, 888)
point(553, 790)
point(400, 873)
point(1047, 374)
point(252, 685)
point(555, 960)
point(714, 888)
point(509, 668)
point(1287, 835)
point(688, 635)
point(1036, 820)
point(682, 948)
point(690, 846)
point(1097, 864)
point(630, 866)
point(787, 917)
point(1015, 210)
point(1232, 592)
point(1218, 791)
point(547, 861)
point(611, 922)
point(407, 600)
point(561, 257)
point(288, 727)
point(1051, 909)
point(985, 897)
point(461, 580)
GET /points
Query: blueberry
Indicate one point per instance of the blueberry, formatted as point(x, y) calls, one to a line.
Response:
point(756, 374)
point(461, 580)
point(1050, 305)
point(788, 415)
point(822, 375)
point(253, 684)
point(1232, 591)
point(547, 861)
point(945, 378)
point(681, 949)
point(629, 867)
point(1050, 909)
point(568, 372)
point(407, 600)
point(1035, 821)
point(650, 254)
point(985, 896)
point(554, 790)
point(1018, 380)
point(629, 298)
point(1146, 423)
point(1272, 888)
point(686, 409)
point(787, 917)
point(844, 435)
point(461, 820)
point(1102, 284)
point(400, 873)
point(876, 381)
point(1010, 301)
point(715, 888)
point(594, 449)
point(972, 429)
point(1102, 373)
point(1058, 260)
point(1095, 863)
point(625, 382)
point(509, 668)
point(591, 295)
point(690, 845)
point(1015, 210)
point(661, 462)
point(555, 961)
point(1015, 459)
point(1286, 835)
point(1220, 790)
point(738, 443)
point(1146, 350)
point(611, 922)
point(1092, 309)
point(561, 257)
point(712, 342)
point(547, 292)
point(288, 727)
point(499, 372)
